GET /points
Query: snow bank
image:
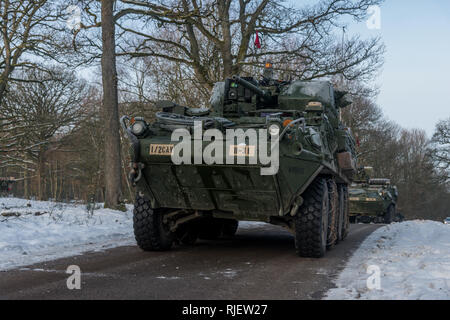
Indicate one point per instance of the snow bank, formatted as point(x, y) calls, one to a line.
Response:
point(413, 258)
point(36, 231)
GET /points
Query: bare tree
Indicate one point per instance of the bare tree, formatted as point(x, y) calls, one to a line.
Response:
point(440, 150)
point(42, 110)
point(147, 79)
point(28, 31)
point(200, 35)
point(84, 168)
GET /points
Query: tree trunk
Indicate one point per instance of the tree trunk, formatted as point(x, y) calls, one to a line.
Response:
point(3, 81)
point(41, 185)
point(224, 16)
point(25, 182)
point(110, 109)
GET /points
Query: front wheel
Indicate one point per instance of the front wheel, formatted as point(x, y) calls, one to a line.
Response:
point(345, 213)
point(149, 229)
point(340, 215)
point(311, 221)
point(333, 214)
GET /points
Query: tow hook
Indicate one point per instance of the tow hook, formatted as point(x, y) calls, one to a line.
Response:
point(136, 173)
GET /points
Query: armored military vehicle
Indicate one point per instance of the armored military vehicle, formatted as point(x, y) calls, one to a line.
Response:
point(6, 185)
point(268, 150)
point(373, 200)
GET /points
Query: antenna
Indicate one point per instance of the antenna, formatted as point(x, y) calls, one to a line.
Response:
point(342, 53)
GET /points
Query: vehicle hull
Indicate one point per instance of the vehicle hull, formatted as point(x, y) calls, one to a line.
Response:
point(237, 189)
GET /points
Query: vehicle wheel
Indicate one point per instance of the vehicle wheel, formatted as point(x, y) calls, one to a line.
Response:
point(333, 195)
point(346, 216)
point(340, 216)
point(311, 221)
point(389, 215)
point(149, 230)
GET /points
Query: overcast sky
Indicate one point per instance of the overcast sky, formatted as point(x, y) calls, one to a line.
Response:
point(415, 84)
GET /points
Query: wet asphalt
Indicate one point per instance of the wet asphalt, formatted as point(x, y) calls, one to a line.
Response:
point(256, 264)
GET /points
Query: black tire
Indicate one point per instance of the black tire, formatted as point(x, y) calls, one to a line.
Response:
point(311, 221)
point(332, 236)
point(390, 214)
point(346, 217)
point(340, 217)
point(150, 232)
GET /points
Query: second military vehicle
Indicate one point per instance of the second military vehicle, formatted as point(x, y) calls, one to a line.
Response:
point(6, 185)
point(372, 200)
point(269, 150)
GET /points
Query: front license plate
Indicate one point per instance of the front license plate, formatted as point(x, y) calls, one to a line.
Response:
point(161, 149)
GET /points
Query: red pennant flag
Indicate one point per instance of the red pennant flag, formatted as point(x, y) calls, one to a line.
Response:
point(257, 42)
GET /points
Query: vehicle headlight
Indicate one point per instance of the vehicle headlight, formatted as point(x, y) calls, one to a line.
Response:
point(138, 128)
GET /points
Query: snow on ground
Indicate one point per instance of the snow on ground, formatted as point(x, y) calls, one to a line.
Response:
point(413, 258)
point(36, 231)
point(46, 230)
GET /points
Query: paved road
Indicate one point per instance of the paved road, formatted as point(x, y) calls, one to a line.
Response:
point(256, 264)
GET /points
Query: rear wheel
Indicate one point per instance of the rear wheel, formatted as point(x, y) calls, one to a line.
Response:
point(346, 213)
point(333, 213)
point(149, 230)
point(311, 221)
point(340, 216)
